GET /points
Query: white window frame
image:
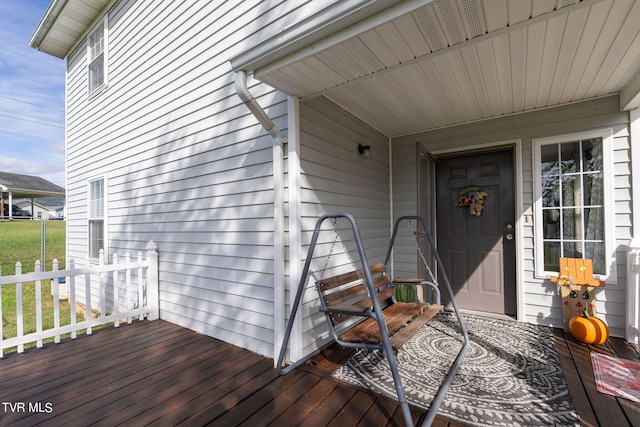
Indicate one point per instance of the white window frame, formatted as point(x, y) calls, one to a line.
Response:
point(93, 216)
point(91, 60)
point(608, 188)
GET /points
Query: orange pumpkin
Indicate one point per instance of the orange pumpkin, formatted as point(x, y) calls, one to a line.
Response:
point(588, 329)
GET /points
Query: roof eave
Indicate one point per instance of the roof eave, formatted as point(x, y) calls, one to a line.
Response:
point(327, 26)
point(45, 25)
point(64, 23)
point(18, 192)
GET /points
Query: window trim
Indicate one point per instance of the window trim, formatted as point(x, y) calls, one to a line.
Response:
point(104, 217)
point(104, 22)
point(609, 199)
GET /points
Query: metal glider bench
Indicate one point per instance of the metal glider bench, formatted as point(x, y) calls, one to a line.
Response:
point(361, 310)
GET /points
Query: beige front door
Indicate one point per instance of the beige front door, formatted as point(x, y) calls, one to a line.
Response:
point(478, 252)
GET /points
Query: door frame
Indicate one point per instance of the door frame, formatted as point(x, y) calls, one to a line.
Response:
point(521, 215)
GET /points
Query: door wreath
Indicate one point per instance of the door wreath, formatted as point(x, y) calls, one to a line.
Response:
point(472, 197)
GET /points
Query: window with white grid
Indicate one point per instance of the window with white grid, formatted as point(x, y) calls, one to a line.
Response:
point(96, 205)
point(574, 218)
point(97, 50)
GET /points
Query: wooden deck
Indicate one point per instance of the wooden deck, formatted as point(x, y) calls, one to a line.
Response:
point(156, 373)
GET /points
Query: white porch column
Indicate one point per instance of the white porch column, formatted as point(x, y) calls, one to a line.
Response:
point(295, 235)
point(633, 260)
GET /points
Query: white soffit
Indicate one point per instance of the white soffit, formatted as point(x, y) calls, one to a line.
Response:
point(450, 62)
point(63, 23)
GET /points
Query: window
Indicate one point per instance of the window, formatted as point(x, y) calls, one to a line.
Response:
point(573, 204)
point(97, 43)
point(96, 217)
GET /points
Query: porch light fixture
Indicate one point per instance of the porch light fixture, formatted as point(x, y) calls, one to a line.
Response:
point(364, 150)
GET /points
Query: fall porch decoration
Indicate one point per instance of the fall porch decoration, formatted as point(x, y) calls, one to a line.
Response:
point(588, 329)
point(472, 197)
point(576, 285)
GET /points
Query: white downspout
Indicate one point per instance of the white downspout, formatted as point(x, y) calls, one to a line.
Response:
point(278, 208)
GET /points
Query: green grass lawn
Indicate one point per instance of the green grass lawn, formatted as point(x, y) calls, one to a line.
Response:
point(21, 241)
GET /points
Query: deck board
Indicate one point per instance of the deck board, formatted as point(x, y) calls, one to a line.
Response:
point(262, 398)
point(574, 381)
point(158, 374)
point(282, 401)
point(330, 407)
point(608, 412)
point(112, 394)
point(160, 390)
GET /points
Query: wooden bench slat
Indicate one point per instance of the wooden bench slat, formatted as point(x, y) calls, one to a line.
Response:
point(339, 297)
point(383, 296)
point(406, 318)
point(348, 293)
point(328, 283)
point(412, 280)
point(357, 290)
point(356, 309)
point(407, 332)
point(396, 316)
point(361, 332)
point(403, 312)
point(366, 332)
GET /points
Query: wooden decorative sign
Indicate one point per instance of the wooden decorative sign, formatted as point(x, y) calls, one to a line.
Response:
point(577, 287)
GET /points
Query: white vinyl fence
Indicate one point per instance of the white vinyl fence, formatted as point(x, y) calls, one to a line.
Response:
point(121, 291)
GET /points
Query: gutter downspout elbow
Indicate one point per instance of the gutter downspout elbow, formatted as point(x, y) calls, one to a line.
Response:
point(255, 108)
point(278, 209)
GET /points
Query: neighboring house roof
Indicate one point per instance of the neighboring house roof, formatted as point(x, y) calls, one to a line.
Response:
point(28, 186)
point(26, 204)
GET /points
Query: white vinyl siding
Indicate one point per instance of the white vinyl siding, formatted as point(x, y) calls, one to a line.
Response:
point(538, 297)
point(406, 201)
point(189, 166)
point(336, 178)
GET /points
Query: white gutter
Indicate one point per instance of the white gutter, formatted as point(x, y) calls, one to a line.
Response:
point(278, 208)
point(331, 18)
point(46, 22)
point(315, 41)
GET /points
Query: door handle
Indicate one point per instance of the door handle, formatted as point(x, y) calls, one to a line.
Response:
point(509, 236)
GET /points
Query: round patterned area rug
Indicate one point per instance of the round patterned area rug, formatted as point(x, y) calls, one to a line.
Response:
point(510, 376)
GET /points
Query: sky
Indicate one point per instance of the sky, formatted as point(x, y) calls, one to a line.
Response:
point(31, 96)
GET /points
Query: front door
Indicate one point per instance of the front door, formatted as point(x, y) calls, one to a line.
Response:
point(478, 251)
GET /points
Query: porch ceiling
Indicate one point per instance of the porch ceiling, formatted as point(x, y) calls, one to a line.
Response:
point(448, 62)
